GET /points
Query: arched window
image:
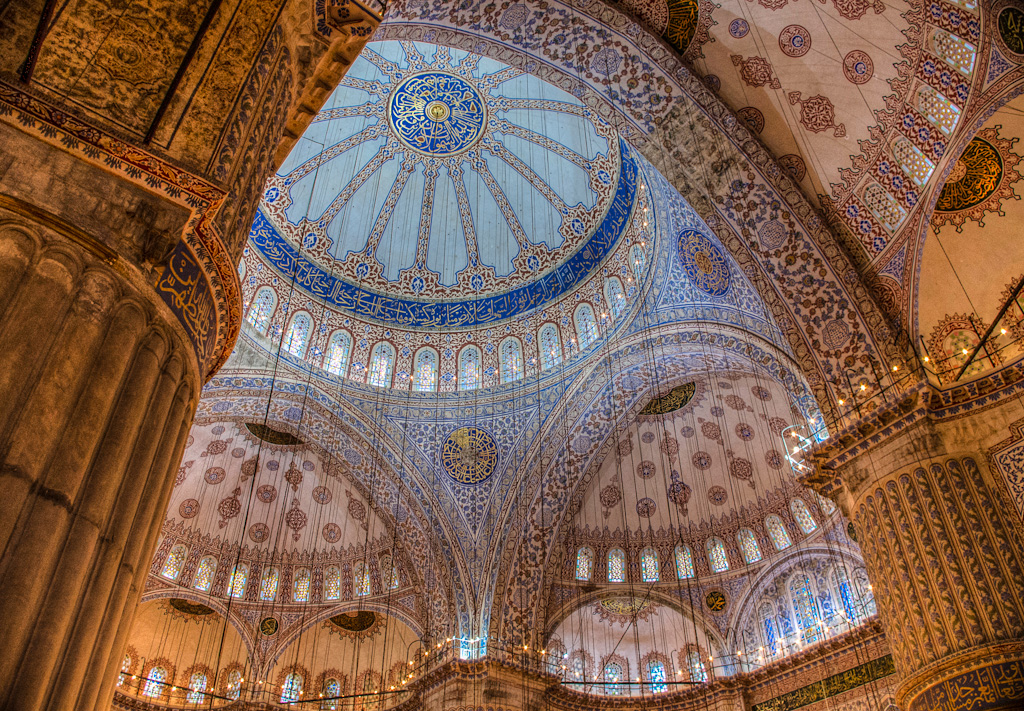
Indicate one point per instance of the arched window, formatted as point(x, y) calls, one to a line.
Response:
point(842, 584)
point(331, 692)
point(234, 685)
point(550, 346)
point(884, 206)
point(196, 688)
point(825, 504)
point(297, 337)
point(656, 675)
point(381, 364)
point(806, 609)
point(698, 672)
point(912, 160)
point(778, 533)
point(332, 583)
point(204, 574)
point(362, 579)
point(748, 545)
point(767, 616)
point(338, 351)
point(716, 555)
point(300, 587)
point(803, 517)
point(511, 357)
point(578, 665)
point(937, 108)
point(953, 50)
point(469, 368)
point(616, 296)
point(239, 576)
point(649, 565)
point(424, 378)
point(291, 689)
point(261, 308)
point(637, 261)
point(586, 326)
point(616, 565)
point(584, 563)
point(268, 586)
point(175, 560)
point(613, 676)
point(389, 573)
point(684, 562)
point(155, 681)
point(126, 668)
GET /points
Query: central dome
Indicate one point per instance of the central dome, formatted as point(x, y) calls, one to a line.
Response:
point(442, 189)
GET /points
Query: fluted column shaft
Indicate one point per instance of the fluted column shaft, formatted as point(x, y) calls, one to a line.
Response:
point(97, 389)
point(942, 550)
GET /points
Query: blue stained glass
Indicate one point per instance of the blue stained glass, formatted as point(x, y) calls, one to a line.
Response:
point(425, 375)
point(586, 326)
point(268, 586)
point(362, 579)
point(616, 566)
point(239, 576)
point(656, 673)
point(584, 563)
point(778, 533)
point(748, 545)
point(550, 346)
point(298, 335)
point(204, 574)
point(175, 560)
point(332, 583)
point(196, 688)
point(803, 516)
point(291, 690)
point(155, 682)
point(381, 364)
point(684, 562)
point(698, 672)
point(301, 587)
point(469, 369)
point(716, 556)
point(332, 689)
point(767, 619)
point(511, 357)
point(613, 676)
point(234, 684)
point(259, 312)
point(338, 353)
point(637, 260)
point(616, 296)
point(806, 609)
point(649, 565)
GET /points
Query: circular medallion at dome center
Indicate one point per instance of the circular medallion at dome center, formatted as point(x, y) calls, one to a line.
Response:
point(437, 113)
point(469, 455)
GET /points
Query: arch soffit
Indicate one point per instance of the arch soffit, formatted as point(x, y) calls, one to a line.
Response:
point(225, 611)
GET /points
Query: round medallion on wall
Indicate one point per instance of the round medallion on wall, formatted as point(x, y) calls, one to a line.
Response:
point(739, 28)
point(752, 117)
point(268, 626)
point(266, 493)
point(332, 532)
point(717, 495)
point(645, 469)
point(974, 177)
point(715, 600)
point(858, 67)
point(704, 263)
point(469, 455)
point(646, 507)
point(214, 475)
point(1011, 29)
point(259, 532)
point(189, 508)
point(437, 113)
point(795, 41)
point(793, 165)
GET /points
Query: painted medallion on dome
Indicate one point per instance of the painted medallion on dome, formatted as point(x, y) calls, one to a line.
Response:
point(704, 263)
point(979, 181)
point(676, 399)
point(469, 455)
point(437, 113)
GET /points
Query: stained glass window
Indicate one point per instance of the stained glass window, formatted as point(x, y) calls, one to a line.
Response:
point(767, 615)
point(955, 51)
point(511, 356)
point(381, 363)
point(234, 689)
point(612, 677)
point(338, 353)
point(637, 261)
point(884, 206)
point(616, 565)
point(300, 588)
point(291, 690)
point(579, 667)
point(424, 378)
point(196, 688)
point(126, 667)
point(297, 338)
point(698, 672)
point(584, 563)
point(175, 559)
point(469, 368)
point(656, 675)
point(332, 583)
point(550, 346)
point(362, 579)
point(806, 609)
point(239, 576)
point(204, 573)
point(649, 565)
point(616, 296)
point(777, 532)
point(842, 583)
point(912, 160)
point(332, 690)
point(825, 503)
point(684, 562)
point(716, 555)
point(268, 586)
point(937, 108)
point(388, 572)
point(586, 326)
point(748, 545)
point(803, 517)
point(155, 682)
point(262, 306)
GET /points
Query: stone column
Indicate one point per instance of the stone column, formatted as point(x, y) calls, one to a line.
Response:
point(98, 384)
point(942, 547)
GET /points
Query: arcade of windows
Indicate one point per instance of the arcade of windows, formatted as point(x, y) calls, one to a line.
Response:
point(302, 578)
point(336, 359)
point(718, 560)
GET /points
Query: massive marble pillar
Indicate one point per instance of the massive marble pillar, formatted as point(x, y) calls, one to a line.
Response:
point(941, 539)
